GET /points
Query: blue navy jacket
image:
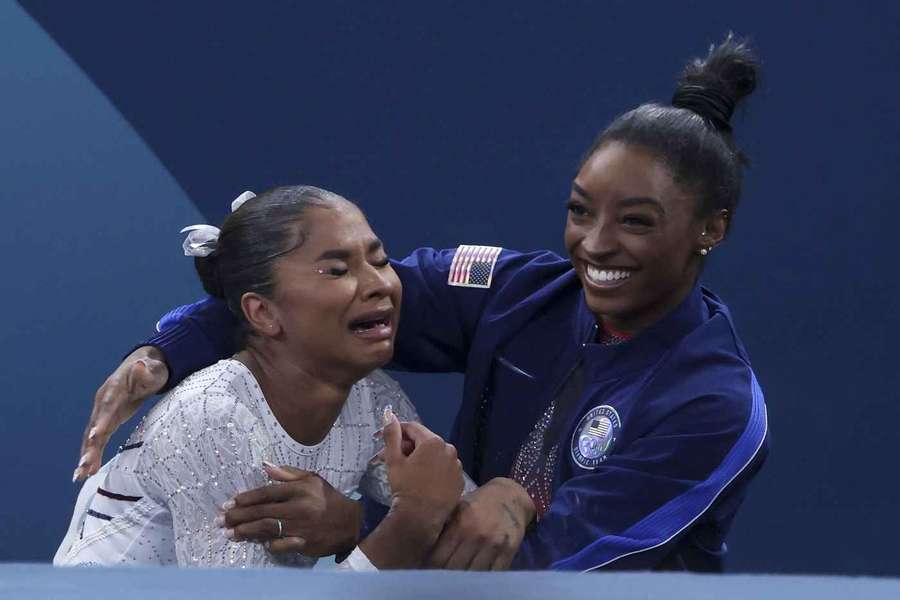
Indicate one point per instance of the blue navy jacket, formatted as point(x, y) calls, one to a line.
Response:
point(690, 427)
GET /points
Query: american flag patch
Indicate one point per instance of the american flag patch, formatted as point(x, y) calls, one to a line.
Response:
point(599, 427)
point(473, 266)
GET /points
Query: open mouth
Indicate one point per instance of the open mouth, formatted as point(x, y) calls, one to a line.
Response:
point(363, 326)
point(606, 277)
point(373, 325)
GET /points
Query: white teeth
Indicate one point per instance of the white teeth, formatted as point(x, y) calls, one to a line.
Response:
point(605, 275)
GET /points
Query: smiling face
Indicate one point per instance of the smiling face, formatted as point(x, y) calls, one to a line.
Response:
point(336, 300)
point(633, 237)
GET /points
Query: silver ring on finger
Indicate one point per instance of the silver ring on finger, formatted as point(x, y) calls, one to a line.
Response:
point(280, 528)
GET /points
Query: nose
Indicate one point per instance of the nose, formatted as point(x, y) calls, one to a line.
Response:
point(600, 241)
point(376, 283)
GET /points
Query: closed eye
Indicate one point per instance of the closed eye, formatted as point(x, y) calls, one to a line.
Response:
point(576, 208)
point(332, 271)
point(638, 221)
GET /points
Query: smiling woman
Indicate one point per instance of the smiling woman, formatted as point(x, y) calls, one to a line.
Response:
point(657, 192)
point(317, 302)
point(630, 235)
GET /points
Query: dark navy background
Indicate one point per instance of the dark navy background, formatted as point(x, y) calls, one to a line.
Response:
point(451, 123)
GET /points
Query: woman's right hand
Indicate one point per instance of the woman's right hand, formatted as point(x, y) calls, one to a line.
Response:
point(425, 487)
point(142, 374)
point(426, 482)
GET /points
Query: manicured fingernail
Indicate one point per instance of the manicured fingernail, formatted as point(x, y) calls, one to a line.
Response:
point(219, 521)
point(229, 533)
point(83, 460)
point(75, 474)
point(228, 505)
point(270, 465)
point(386, 416)
point(92, 433)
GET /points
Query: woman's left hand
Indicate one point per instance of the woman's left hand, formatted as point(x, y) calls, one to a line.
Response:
point(316, 519)
point(486, 528)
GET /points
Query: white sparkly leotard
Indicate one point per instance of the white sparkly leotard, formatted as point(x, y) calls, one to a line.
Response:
point(156, 501)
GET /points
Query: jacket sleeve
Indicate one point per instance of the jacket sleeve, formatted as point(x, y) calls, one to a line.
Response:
point(195, 336)
point(439, 321)
point(630, 511)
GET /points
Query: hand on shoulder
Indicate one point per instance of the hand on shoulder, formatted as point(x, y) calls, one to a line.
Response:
point(142, 374)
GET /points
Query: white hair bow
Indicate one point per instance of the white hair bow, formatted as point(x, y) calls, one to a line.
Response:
point(202, 239)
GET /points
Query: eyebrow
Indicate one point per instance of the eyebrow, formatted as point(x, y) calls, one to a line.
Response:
point(653, 202)
point(341, 254)
point(580, 191)
point(627, 202)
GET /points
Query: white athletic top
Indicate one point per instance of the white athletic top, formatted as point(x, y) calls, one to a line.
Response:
point(156, 501)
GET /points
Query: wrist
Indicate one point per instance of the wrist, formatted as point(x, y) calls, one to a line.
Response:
point(519, 498)
point(418, 520)
point(353, 519)
point(149, 352)
point(405, 536)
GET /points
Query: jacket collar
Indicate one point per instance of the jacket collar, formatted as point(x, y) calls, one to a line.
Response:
point(644, 349)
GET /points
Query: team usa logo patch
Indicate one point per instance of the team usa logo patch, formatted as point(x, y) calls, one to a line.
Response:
point(595, 436)
point(473, 266)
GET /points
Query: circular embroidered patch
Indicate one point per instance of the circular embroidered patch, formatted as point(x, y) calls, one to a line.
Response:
point(595, 436)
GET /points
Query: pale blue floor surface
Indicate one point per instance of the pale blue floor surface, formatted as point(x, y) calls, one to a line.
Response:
point(24, 581)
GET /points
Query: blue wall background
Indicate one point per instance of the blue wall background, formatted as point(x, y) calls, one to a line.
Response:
point(450, 123)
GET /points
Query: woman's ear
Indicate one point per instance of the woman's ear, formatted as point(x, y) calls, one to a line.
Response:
point(714, 228)
point(261, 314)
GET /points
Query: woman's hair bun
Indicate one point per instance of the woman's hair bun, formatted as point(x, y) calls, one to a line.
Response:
point(713, 86)
point(208, 271)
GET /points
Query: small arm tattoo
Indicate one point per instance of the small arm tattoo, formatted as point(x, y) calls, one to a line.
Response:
point(512, 516)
